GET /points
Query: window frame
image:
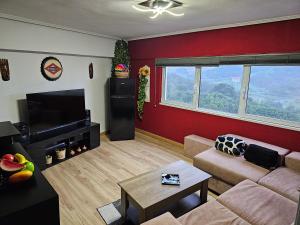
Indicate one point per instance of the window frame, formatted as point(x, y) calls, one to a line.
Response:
point(241, 115)
point(178, 103)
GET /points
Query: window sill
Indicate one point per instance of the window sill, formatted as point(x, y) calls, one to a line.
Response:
point(248, 118)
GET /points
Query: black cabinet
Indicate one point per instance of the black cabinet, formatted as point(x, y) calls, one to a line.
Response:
point(34, 202)
point(121, 109)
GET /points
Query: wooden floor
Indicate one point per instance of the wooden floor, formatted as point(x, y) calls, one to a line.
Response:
point(89, 180)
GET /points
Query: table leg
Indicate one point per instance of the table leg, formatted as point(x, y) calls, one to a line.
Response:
point(204, 192)
point(142, 216)
point(124, 203)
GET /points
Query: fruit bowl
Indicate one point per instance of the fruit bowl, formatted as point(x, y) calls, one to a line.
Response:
point(121, 71)
point(14, 169)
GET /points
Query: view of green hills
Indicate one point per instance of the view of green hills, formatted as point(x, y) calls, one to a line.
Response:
point(274, 91)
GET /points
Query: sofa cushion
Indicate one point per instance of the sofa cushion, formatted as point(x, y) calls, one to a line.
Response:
point(230, 145)
point(228, 168)
point(211, 213)
point(259, 205)
point(218, 185)
point(281, 151)
point(292, 161)
point(164, 219)
point(284, 181)
point(262, 156)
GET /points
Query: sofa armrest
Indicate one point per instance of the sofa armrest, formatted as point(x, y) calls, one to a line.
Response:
point(292, 161)
point(194, 144)
point(164, 219)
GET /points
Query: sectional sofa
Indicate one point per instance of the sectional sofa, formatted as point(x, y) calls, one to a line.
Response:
point(229, 170)
point(249, 194)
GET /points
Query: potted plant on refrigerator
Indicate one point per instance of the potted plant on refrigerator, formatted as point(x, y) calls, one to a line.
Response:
point(120, 62)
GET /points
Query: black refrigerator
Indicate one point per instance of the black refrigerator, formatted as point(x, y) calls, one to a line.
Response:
point(121, 108)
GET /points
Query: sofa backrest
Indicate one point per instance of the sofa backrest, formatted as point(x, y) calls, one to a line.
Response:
point(281, 151)
point(292, 161)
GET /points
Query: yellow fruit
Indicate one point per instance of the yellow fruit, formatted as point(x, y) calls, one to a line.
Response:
point(20, 176)
point(20, 158)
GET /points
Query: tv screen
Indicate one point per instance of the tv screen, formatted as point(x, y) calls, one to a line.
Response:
point(50, 110)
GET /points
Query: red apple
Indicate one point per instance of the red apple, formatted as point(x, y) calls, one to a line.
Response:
point(8, 157)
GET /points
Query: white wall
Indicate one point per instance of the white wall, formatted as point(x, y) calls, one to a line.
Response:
point(25, 75)
point(29, 37)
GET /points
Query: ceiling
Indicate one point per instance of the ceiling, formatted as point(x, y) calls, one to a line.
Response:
point(117, 17)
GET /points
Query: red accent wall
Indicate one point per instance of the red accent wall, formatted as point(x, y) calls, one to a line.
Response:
point(174, 123)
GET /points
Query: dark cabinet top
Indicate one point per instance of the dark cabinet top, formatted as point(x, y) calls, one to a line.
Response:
point(121, 86)
point(22, 196)
point(7, 129)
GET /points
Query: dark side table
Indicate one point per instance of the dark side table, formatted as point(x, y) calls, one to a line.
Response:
point(34, 202)
point(7, 132)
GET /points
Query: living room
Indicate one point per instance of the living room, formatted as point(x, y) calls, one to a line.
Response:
point(150, 112)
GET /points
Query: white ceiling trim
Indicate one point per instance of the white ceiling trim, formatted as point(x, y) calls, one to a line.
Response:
point(39, 23)
point(275, 19)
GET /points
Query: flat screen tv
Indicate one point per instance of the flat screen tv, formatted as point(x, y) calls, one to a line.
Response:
point(51, 110)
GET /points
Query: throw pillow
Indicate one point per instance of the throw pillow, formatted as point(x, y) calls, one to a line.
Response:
point(230, 145)
point(262, 156)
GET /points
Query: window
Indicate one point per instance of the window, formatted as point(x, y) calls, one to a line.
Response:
point(180, 83)
point(268, 94)
point(220, 88)
point(274, 91)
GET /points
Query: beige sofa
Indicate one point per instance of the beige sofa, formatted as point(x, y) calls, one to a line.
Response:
point(228, 170)
point(244, 204)
point(285, 180)
point(250, 194)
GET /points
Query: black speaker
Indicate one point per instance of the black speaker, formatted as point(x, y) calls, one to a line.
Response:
point(87, 117)
point(94, 135)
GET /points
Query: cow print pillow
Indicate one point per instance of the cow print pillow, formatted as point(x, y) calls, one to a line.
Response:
point(231, 145)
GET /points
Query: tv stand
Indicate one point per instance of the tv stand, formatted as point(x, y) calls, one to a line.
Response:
point(87, 135)
point(46, 134)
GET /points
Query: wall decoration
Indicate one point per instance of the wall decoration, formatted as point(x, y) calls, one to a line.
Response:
point(4, 69)
point(147, 89)
point(121, 55)
point(144, 73)
point(121, 71)
point(91, 70)
point(51, 68)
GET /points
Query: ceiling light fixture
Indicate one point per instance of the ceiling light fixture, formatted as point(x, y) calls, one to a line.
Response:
point(158, 7)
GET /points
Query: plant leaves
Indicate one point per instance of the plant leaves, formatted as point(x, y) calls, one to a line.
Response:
point(121, 55)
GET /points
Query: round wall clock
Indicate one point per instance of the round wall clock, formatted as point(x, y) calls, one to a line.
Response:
point(51, 68)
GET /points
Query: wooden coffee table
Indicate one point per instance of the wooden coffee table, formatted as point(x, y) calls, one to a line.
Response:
point(146, 193)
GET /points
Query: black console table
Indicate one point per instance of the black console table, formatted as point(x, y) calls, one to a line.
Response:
point(7, 133)
point(88, 135)
point(34, 202)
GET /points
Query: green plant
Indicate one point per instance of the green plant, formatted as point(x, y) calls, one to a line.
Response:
point(121, 55)
point(141, 96)
point(144, 72)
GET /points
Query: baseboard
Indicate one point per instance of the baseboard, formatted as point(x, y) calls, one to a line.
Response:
point(149, 134)
point(159, 137)
point(103, 133)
